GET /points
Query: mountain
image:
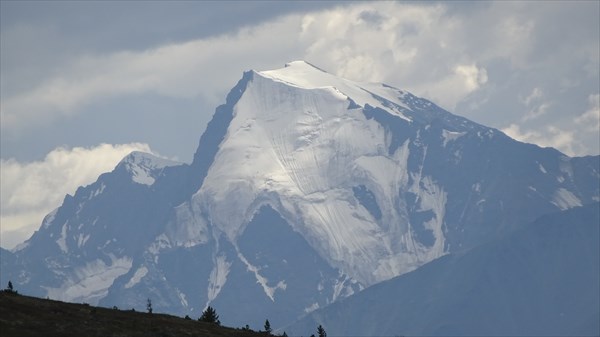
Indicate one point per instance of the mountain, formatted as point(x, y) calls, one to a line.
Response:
point(306, 188)
point(542, 280)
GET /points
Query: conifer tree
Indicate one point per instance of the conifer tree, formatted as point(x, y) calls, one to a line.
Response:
point(321, 332)
point(268, 327)
point(10, 286)
point(210, 316)
point(149, 306)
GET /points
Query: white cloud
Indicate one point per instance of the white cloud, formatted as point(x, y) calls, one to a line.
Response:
point(591, 118)
point(448, 91)
point(535, 95)
point(29, 191)
point(537, 107)
point(550, 136)
point(537, 111)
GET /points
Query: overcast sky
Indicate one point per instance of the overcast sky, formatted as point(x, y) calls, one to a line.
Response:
point(84, 83)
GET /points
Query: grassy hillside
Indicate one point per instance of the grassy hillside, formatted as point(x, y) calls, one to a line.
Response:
point(30, 316)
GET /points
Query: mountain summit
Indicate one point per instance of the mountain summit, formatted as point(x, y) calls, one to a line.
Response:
point(305, 189)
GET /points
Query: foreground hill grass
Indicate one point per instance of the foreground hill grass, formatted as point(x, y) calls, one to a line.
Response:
point(30, 316)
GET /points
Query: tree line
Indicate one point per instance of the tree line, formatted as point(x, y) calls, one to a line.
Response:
point(209, 315)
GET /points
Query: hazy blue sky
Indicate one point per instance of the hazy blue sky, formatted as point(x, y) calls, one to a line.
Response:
point(84, 83)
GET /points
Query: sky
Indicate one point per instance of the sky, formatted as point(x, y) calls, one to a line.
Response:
point(83, 83)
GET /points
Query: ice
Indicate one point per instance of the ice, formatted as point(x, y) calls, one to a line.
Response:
point(144, 167)
point(137, 277)
point(218, 277)
point(269, 291)
point(182, 297)
point(311, 308)
point(82, 239)
point(565, 199)
point(62, 240)
point(161, 242)
point(98, 191)
point(304, 75)
point(297, 143)
point(450, 136)
point(49, 218)
point(341, 289)
point(90, 282)
point(187, 229)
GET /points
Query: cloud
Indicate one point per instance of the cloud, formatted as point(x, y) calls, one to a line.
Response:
point(537, 111)
point(388, 42)
point(411, 46)
point(31, 190)
point(591, 118)
point(551, 136)
point(478, 61)
point(535, 95)
point(204, 67)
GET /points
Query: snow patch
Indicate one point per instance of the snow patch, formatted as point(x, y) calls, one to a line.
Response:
point(137, 277)
point(62, 240)
point(82, 239)
point(182, 298)
point(161, 242)
point(343, 287)
point(218, 277)
point(144, 167)
point(304, 75)
point(449, 136)
point(49, 218)
point(269, 291)
point(90, 283)
point(311, 308)
point(187, 228)
point(542, 168)
point(430, 197)
point(564, 199)
point(98, 191)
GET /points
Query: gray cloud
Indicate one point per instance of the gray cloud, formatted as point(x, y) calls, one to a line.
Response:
point(476, 61)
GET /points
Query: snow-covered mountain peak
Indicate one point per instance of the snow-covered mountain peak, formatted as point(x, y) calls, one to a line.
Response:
point(305, 142)
point(305, 188)
point(144, 167)
point(304, 75)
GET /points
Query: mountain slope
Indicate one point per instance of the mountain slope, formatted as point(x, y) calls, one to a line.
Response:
point(366, 182)
point(543, 280)
point(22, 316)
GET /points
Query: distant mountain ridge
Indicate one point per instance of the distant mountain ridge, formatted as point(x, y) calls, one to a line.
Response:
point(366, 181)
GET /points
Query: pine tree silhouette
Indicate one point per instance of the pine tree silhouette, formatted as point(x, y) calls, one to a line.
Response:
point(210, 316)
point(321, 331)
